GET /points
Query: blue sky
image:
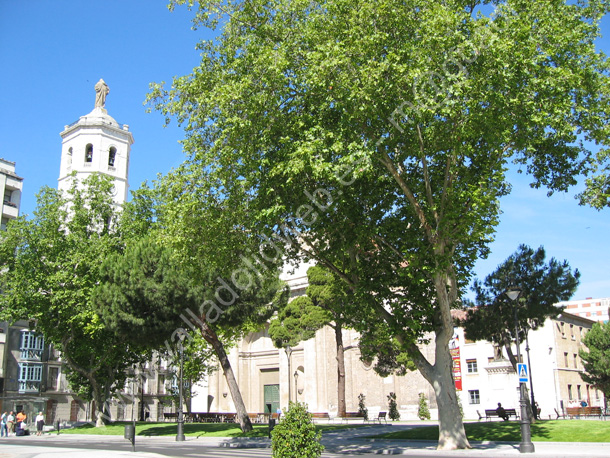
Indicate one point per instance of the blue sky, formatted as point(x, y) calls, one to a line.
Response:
point(53, 53)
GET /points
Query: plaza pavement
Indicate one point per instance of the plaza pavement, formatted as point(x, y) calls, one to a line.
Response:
point(350, 442)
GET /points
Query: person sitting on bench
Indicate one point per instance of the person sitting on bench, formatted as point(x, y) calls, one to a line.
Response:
point(501, 412)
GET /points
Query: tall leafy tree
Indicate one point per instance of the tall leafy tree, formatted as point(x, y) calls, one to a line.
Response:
point(596, 357)
point(50, 267)
point(374, 137)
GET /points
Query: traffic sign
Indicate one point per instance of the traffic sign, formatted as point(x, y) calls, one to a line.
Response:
point(522, 371)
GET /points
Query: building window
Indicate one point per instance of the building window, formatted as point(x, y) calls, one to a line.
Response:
point(570, 397)
point(471, 364)
point(597, 394)
point(565, 359)
point(89, 153)
point(474, 397)
point(563, 329)
point(578, 392)
point(52, 381)
point(32, 345)
point(572, 332)
point(111, 156)
point(575, 361)
point(30, 375)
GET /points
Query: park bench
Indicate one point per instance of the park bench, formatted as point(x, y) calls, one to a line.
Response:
point(350, 416)
point(320, 416)
point(171, 416)
point(577, 412)
point(491, 413)
point(259, 417)
point(380, 416)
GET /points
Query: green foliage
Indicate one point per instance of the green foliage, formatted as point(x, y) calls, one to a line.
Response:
point(143, 292)
point(393, 412)
point(362, 410)
point(597, 191)
point(297, 321)
point(596, 358)
point(295, 436)
point(51, 265)
point(542, 286)
point(422, 410)
point(374, 137)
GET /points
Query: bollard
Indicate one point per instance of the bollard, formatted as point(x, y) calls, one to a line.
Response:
point(130, 433)
point(271, 426)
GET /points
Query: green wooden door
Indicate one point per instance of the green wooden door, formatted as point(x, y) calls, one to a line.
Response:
point(271, 398)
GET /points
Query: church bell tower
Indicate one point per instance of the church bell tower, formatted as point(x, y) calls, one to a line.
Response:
point(96, 143)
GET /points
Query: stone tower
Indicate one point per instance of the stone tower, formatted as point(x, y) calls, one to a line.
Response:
point(96, 143)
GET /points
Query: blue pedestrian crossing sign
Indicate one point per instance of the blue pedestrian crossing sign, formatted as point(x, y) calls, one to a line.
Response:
point(522, 371)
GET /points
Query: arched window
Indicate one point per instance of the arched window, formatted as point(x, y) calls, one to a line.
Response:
point(89, 153)
point(111, 156)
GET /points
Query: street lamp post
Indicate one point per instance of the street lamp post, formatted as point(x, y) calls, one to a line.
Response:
point(180, 433)
point(526, 445)
point(529, 366)
point(288, 353)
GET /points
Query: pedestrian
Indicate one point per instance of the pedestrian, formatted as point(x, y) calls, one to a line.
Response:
point(10, 423)
point(501, 412)
point(3, 427)
point(39, 423)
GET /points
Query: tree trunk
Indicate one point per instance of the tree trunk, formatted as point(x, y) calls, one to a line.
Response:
point(212, 338)
point(340, 371)
point(99, 405)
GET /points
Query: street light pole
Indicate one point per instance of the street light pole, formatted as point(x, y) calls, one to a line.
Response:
point(526, 445)
point(529, 366)
point(180, 433)
point(288, 353)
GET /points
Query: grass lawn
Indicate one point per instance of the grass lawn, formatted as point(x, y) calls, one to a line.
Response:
point(544, 430)
point(190, 429)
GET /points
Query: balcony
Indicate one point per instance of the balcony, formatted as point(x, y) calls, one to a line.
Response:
point(10, 210)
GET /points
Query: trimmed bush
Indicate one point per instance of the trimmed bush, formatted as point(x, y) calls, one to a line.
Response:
point(362, 410)
point(295, 436)
point(423, 412)
point(393, 413)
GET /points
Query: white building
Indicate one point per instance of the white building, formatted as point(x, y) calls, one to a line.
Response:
point(554, 368)
point(11, 186)
point(96, 143)
point(269, 377)
point(593, 309)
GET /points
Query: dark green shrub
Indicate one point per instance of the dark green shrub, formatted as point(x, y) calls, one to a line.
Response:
point(393, 413)
point(423, 412)
point(295, 436)
point(362, 410)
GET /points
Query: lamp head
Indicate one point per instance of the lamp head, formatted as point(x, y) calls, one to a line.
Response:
point(513, 292)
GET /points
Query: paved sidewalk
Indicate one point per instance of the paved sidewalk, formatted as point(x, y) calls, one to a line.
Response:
point(352, 441)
